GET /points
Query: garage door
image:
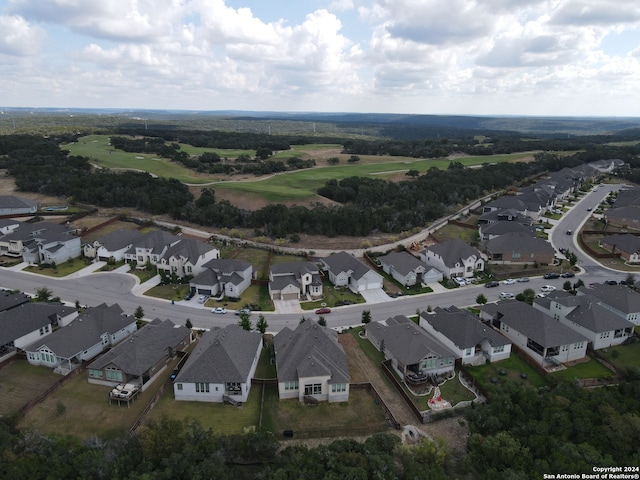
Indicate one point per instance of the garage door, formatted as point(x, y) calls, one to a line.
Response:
point(204, 291)
point(289, 296)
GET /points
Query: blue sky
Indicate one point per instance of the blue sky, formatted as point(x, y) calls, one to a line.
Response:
point(476, 57)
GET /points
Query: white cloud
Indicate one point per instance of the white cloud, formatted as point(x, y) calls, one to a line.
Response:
point(596, 12)
point(18, 37)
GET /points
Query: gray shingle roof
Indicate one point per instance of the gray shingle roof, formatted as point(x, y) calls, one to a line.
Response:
point(592, 316)
point(310, 350)
point(629, 212)
point(189, 249)
point(406, 341)
point(227, 265)
point(402, 262)
point(28, 318)
point(518, 242)
point(535, 325)
point(120, 239)
point(619, 297)
point(463, 328)
point(11, 201)
point(345, 262)
point(85, 331)
point(454, 251)
point(156, 240)
point(145, 348)
point(297, 268)
point(626, 242)
point(221, 355)
point(503, 227)
point(11, 300)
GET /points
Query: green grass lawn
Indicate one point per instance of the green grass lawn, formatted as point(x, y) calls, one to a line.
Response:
point(61, 270)
point(370, 351)
point(20, 382)
point(168, 292)
point(450, 232)
point(514, 366)
point(265, 369)
point(623, 356)
point(589, 369)
point(331, 295)
point(452, 391)
point(258, 258)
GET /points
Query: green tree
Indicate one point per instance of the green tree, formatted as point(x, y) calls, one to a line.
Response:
point(412, 173)
point(139, 313)
point(529, 295)
point(245, 321)
point(481, 299)
point(366, 316)
point(353, 159)
point(43, 294)
point(261, 324)
point(322, 321)
point(188, 324)
point(567, 285)
point(630, 280)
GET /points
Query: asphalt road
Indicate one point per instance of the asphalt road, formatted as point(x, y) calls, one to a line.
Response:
point(110, 288)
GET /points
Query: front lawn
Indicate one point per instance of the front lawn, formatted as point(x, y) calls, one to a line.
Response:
point(332, 296)
point(61, 270)
point(168, 292)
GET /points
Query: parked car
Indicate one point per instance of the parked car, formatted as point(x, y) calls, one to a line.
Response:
point(323, 310)
point(203, 298)
point(589, 209)
point(240, 311)
point(509, 281)
point(505, 295)
point(523, 279)
point(569, 232)
point(568, 275)
point(611, 282)
point(189, 295)
point(460, 281)
point(220, 310)
point(547, 288)
point(491, 284)
point(551, 275)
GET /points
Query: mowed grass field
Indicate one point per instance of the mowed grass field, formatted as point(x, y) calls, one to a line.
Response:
point(295, 186)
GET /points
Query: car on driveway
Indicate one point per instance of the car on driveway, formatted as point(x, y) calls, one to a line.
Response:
point(203, 298)
point(551, 276)
point(505, 295)
point(189, 295)
point(523, 279)
point(491, 284)
point(323, 310)
point(220, 310)
point(547, 288)
point(460, 281)
point(509, 281)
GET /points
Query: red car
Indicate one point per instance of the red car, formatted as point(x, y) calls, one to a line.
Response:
point(322, 310)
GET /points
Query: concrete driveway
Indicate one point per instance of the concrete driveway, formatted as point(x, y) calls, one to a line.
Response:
point(287, 306)
point(375, 295)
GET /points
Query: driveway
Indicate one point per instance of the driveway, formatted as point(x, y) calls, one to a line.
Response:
point(376, 295)
point(287, 306)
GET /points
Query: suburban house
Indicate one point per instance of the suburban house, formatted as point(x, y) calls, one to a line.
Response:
point(454, 258)
point(186, 258)
point(585, 315)
point(504, 215)
point(142, 357)
point(221, 366)
point(626, 245)
point(311, 364)
point(295, 281)
point(170, 253)
point(41, 242)
point(627, 197)
point(493, 230)
point(93, 331)
point(223, 277)
point(11, 205)
point(624, 217)
point(466, 335)
point(28, 322)
point(607, 166)
point(530, 205)
point(547, 341)
point(621, 300)
point(411, 350)
point(113, 245)
point(519, 247)
point(406, 269)
point(345, 270)
point(7, 225)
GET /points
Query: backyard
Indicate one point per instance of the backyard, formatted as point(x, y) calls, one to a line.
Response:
point(20, 382)
point(513, 368)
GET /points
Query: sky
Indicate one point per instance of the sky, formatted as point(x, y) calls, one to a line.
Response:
point(467, 57)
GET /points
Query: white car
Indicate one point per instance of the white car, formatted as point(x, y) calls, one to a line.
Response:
point(505, 295)
point(509, 281)
point(523, 279)
point(203, 298)
point(547, 288)
point(460, 281)
point(219, 310)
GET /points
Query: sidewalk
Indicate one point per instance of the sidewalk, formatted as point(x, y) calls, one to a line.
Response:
point(140, 288)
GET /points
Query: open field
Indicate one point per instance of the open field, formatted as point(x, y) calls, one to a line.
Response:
point(295, 186)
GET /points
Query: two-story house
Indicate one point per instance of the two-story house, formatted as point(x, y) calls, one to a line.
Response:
point(295, 281)
point(454, 258)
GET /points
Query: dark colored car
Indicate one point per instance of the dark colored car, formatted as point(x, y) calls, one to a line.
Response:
point(189, 295)
point(491, 284)
point(568, 275)
point(611, 282)
point(322, 310)
point(551, 275)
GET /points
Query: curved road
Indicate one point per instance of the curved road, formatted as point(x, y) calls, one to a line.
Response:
point(96, 288)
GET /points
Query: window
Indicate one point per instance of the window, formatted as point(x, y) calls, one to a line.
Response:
point(179, 386)
point(468, 351)
point(95, 373)
point(113, 374)
point(498, 349)
point(44, 330)
point(338, 387)
point(515, 255)
point(291, 385)
point(202, 387)
point(313, 389)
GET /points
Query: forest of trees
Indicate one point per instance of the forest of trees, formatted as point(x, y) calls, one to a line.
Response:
point(365, 205)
